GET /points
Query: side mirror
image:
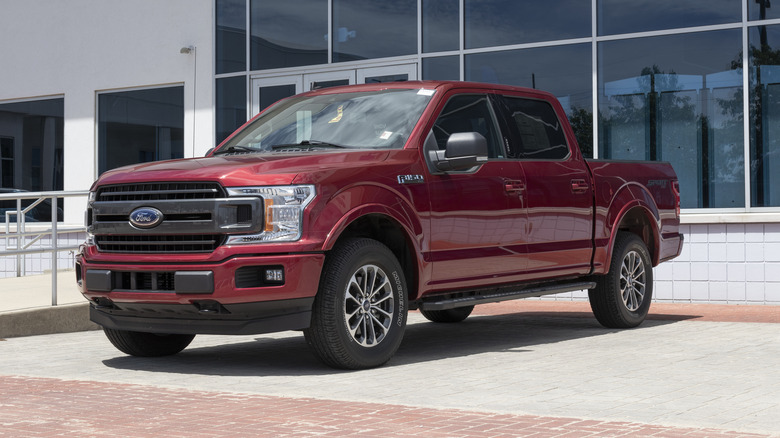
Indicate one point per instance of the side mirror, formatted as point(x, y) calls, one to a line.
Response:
point(208, 152)
point(464, 150)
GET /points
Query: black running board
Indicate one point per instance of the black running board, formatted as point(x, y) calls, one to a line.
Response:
point(496, 295)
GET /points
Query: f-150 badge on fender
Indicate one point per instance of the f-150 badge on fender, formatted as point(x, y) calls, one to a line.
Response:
point(146, 217)
point(410, 179)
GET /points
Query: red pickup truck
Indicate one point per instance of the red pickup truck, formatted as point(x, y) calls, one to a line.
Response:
point(337, 211)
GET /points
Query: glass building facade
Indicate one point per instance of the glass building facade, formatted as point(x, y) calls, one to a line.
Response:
point(693, 83)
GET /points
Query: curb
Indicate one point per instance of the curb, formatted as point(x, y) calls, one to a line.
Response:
point(46, 321)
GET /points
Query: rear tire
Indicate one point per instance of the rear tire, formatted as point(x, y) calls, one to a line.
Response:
point(622, 297)
point(359, 314)
point(457, 314)
point(147, 344)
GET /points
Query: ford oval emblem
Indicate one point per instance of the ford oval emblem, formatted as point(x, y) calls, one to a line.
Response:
point(146, 217)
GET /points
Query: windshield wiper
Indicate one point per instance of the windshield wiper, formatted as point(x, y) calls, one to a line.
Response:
point(308, 143)
point(238, 148)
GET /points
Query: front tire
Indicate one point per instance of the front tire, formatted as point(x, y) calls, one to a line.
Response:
point(147, 344)
point(622, 297)
point(359, 313)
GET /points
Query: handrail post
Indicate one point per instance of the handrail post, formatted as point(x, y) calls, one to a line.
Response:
point(19, 257)
point(54, 253)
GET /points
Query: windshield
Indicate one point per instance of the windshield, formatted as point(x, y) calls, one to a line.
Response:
point(366, 120)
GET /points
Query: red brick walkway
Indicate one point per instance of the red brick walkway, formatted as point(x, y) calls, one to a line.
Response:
point(37, 407)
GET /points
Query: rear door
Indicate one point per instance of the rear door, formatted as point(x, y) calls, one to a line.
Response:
point(558, 191)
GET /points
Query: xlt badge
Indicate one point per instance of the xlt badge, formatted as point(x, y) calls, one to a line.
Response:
point(146, 217)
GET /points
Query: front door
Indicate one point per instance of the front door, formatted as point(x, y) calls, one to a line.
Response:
point(478, 219)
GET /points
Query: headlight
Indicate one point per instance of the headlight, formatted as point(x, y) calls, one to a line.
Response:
point(282, 215)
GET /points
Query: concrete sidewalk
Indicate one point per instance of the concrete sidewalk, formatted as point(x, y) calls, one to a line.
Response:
point(500, 375)
point(26, 306)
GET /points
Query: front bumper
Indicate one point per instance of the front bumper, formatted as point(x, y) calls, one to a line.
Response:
point(229, 297)
point(205, 317)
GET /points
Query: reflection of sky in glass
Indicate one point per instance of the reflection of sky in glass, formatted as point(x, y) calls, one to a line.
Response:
point(297, 24)
point(440, 25)
point(374, 29)
point(621, 16)
point(564, 71)
point(503, 22)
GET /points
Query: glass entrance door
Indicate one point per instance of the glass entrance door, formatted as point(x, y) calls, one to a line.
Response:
point(392, 73)
point(266, 91)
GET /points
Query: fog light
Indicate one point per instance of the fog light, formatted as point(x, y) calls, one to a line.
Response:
point(274, 275)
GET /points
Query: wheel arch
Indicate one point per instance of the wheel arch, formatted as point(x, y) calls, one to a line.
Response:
point(638, 216)
point(378, 223)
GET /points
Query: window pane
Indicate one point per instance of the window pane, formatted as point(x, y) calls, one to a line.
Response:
point(231, 106)
point(289, 33)
point(31, 136)
point(274, 93)
point(539, 134)
point(762, 9)
point(564, 71)
point(140, 126)
point(620, 16)
point(231, 35)
point(443, 68)
point(373, 29)
point(764, 62)
point(468, 113)
point(440, 27)
point(677, 98)
point(502, 22)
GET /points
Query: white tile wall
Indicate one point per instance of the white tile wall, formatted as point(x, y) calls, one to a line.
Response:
point(734, 264)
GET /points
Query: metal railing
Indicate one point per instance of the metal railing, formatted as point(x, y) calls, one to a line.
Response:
point(18, 240)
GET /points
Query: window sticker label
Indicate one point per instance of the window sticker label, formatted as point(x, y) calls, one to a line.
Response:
point(385, 135)
point(340, 113)
point(424, 92)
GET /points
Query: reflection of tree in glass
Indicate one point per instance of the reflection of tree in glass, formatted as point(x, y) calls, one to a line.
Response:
point(763, 55)
point(581, 121)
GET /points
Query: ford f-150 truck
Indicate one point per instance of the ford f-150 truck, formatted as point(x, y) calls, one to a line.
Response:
point(337, 211)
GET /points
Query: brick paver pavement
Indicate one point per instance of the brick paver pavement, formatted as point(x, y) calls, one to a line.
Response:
point(525, 368)
point(52, 407)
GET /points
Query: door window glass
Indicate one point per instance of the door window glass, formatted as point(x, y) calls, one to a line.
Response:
point(140, 126)
point(537, 132)
point(468, 113)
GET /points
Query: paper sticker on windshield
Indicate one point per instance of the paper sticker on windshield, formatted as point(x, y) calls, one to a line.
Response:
point(340, 112)
point(424, 92)
point(385, 135)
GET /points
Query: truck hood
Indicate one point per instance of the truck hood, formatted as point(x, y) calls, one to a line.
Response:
point(244, 169)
